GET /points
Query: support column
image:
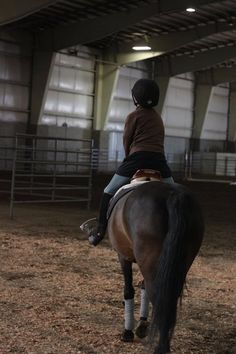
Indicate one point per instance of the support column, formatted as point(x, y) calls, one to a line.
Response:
point(203, 94)
point(231, 136)
point(107, 78)
point(41, 72)
point(163, 83)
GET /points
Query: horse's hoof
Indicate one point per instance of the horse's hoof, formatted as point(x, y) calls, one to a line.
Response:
point(127, 336)
point(142, 329)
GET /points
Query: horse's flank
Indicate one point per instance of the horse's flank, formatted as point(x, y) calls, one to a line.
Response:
point(119, 235)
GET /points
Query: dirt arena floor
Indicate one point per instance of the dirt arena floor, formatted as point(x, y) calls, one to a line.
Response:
point(59, 295)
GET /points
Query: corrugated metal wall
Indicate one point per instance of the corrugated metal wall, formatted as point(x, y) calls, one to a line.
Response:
point(69, 104)
point(177, 114)
point(15, 78)
point(178, 109)
point(215, 125)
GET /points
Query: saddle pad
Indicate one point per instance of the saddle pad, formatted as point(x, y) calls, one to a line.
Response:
point(127, 188)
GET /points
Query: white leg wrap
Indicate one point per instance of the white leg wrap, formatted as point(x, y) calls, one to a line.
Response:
point(129, 314)
point(144, 307)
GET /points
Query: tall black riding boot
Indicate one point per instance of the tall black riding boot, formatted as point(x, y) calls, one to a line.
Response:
point(97, 235)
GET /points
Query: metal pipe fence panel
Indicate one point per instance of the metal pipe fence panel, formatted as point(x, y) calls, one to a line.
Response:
point(211, 166)
point(51, 170)
point(48, 169)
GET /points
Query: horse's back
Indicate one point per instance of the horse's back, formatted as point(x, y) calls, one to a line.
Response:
point(147, 211)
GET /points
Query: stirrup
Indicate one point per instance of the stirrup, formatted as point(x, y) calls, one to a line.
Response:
point(89, 225)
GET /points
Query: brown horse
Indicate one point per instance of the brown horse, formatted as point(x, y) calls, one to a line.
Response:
point(160, 227)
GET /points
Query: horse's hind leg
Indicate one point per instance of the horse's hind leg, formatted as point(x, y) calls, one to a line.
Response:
point(128, 335)
point(141, 330)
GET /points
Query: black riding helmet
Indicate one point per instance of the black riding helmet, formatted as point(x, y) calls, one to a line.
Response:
point(145, 93)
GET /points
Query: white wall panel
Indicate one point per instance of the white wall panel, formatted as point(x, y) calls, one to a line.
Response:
point(66, 78)
point(70, 97)
point(116, 153)
point(120, 109)
point(15, 68)
point(74, 104)
point(65, 102)
point(83, 105)
point(16, 96)
point(122, 103)
point(178, 110)
point(12, 117)
point(55, 77)
point(51, 101)
point(76, 123)
point(84, 81)
point(82, 61)
point(49, 120)
point(121, 106)
point(72, 79)
point(178, 122)
point(215, 124)
point(66, 122)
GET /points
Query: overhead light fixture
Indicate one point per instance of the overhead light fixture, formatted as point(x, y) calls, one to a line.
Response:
point(190, 9)
point(141, 47)
point(142, 44)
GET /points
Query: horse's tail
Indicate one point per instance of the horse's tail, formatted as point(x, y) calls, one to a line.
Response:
point(171, 272)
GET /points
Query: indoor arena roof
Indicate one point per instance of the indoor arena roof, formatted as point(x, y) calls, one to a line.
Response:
point(202, 39)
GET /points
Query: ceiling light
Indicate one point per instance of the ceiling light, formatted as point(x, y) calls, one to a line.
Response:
point(142, 44)
point(190, 9)
point(141, 47)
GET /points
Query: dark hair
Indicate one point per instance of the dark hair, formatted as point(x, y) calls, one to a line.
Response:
point(145, 93)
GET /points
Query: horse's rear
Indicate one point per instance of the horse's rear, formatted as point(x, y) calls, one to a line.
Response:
point(160, 226)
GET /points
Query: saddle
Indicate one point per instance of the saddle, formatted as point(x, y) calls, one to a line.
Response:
point(141, 176)
point(146, 175)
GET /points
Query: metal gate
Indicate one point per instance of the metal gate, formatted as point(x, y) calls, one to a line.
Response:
point(51, 170)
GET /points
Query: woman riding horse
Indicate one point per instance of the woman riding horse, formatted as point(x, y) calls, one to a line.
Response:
point(143, 141)
point(158, 225)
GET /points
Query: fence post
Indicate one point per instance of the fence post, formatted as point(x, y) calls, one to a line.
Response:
point(13, 178)
point(186, 165)
point(190, 163)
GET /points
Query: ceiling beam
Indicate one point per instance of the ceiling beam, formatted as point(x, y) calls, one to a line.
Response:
point(163, 83)
point(107, 78)
point(14, 10)
point(179, 65)
point(41, 73)
point(87, 31)
point(216, 76)
point(170, 42)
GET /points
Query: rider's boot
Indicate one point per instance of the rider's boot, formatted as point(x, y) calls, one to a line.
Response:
point(98, 233)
